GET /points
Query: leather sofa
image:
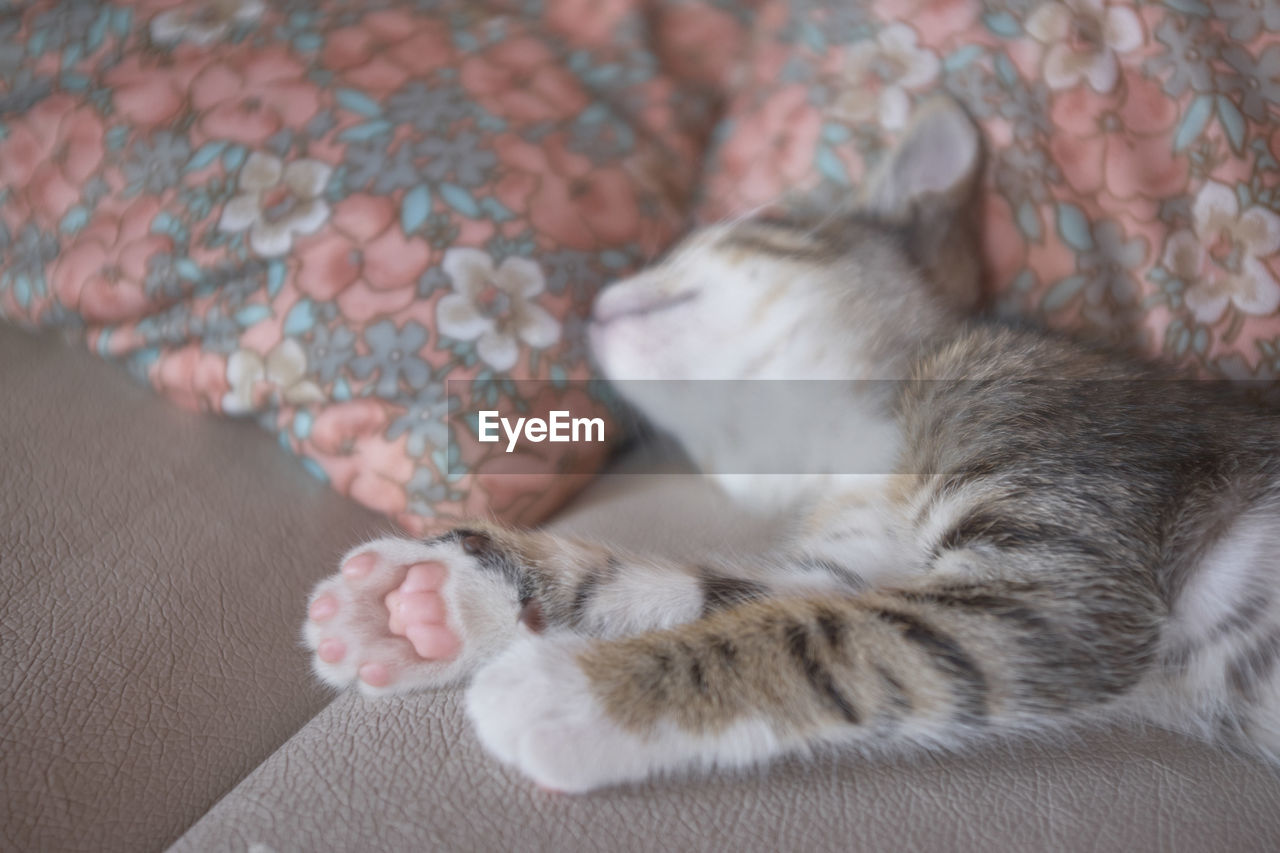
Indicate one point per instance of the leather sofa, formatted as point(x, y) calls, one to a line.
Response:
point(153, 693)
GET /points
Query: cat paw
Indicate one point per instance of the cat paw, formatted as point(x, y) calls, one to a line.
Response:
point(403, 614)
point(532, 708)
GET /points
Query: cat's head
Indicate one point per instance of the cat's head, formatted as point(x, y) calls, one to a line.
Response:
point(840, 295)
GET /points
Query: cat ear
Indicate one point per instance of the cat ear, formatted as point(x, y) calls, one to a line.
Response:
point(937, 160)
point(928, 184)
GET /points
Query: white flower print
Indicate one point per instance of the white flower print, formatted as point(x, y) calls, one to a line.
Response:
point(878, 74)
point(1084, 38)
point(202, 22)
point(276, 201)
point(283, 370)
point(1221, 259)
point(494, 306)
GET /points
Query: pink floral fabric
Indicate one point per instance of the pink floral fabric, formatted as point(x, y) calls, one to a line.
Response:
point(320, 215)
point(341, 219)
point(1131, 184)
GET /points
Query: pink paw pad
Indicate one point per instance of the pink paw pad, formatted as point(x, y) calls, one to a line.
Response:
point(323, 608)
point(417, 612)
point(427, 607)
point(331, 651)
point(360, 565)
point(375, 675)
point(433, 642)
point(424, 577)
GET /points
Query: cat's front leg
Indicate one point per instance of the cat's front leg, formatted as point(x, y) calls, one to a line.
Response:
point(404, 614)
point(936, 664)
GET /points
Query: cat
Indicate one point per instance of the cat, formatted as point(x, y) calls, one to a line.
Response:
point(1036, 555)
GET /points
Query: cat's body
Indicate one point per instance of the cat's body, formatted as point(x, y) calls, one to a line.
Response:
point(1059, 533)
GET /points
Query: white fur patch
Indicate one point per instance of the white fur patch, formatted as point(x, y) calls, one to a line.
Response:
point(1224, 578)
point(532, 707)
point(645, 598)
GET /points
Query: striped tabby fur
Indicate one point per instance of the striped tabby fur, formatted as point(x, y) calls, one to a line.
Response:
point(1039, 556)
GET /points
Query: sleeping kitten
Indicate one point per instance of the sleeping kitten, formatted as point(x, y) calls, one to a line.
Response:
point(1038, 555)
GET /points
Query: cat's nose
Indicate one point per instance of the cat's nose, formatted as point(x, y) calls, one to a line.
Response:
point(616, 303)
point(599, 314)
point(621, 298)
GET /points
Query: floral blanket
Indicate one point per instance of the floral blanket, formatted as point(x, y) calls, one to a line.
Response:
point(316, 213)
point(1131, 182)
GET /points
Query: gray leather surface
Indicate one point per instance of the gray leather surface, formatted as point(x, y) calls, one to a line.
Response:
point(407, 774)
point(154, 566)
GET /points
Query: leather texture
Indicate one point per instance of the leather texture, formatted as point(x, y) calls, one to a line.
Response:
point(155, 569)
point(155, 566)
point(408, 775)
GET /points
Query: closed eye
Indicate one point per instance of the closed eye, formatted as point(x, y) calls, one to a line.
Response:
point(643, 309)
